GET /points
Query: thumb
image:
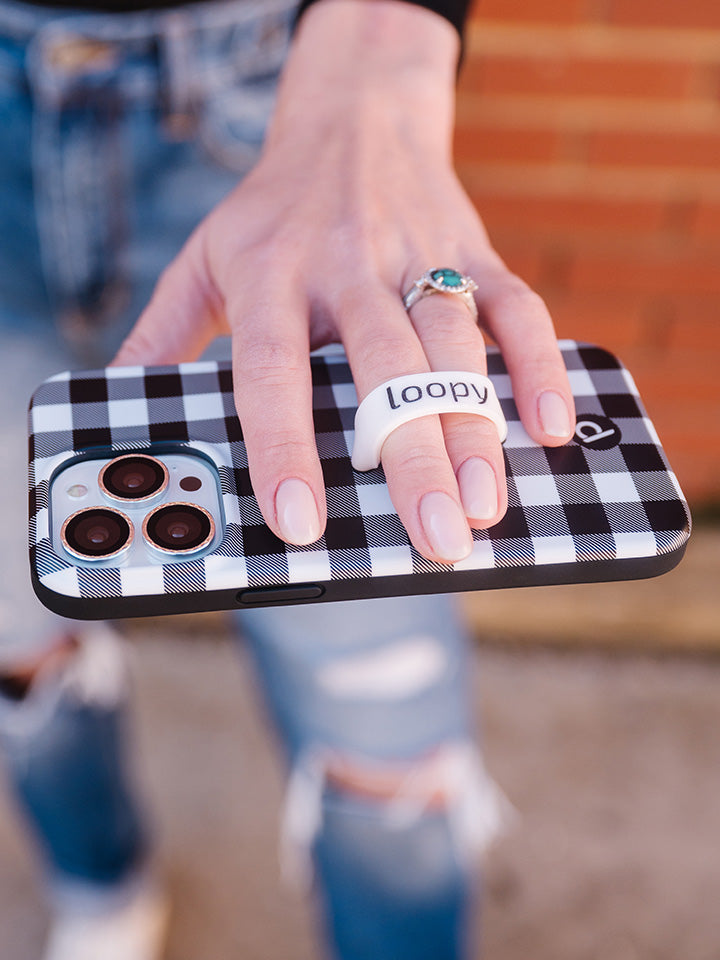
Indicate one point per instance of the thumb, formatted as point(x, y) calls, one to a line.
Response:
point(185, 313)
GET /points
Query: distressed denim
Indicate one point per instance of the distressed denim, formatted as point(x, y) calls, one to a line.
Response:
point(119, 132)
point(384, 685)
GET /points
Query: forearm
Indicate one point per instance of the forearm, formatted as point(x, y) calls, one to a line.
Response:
point(367, 61)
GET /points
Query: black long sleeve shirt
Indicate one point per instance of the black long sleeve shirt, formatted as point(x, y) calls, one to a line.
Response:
point(453, 10)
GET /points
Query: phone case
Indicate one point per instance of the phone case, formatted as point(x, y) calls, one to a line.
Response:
point(604, 507)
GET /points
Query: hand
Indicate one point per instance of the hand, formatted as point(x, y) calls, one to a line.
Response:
point(353, 198)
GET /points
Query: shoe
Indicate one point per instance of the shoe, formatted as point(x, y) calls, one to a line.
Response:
point(134, 931)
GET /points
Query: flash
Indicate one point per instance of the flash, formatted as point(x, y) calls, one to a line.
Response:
point(77, 490)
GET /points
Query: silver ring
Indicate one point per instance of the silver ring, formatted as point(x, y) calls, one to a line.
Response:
point(443, 280)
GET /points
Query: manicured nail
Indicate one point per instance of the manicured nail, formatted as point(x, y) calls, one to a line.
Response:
point(554, 415)
point(478, 489)
point(445, 526)
point(297, 512)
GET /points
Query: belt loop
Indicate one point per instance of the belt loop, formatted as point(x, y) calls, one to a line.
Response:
point(179, 93)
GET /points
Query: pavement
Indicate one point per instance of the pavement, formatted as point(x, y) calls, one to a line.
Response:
point(600, 712)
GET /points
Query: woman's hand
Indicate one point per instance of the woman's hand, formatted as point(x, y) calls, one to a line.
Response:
point(353, 198)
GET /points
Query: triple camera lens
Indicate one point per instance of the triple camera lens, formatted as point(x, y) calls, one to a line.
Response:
point(100, 533)
point(135, 477)
point(97, 533)
point(178, 528)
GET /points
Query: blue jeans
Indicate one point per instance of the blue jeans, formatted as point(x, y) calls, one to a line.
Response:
point(119, 133)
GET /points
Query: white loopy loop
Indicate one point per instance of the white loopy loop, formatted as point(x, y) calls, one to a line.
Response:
point(403, 399)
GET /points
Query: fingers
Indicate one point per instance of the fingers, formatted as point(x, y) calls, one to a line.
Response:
point(273, 397)
point(440, 473)
point(445, 474)
point(184, 315)
point(273, 390)
point(421, 458)
point(452, 341)
point(519, 321)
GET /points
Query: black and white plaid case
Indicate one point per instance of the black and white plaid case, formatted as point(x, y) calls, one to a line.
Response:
point(606, 506)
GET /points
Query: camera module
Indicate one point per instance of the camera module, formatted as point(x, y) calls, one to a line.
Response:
point(179, 528)
point(135, 476)
point(96, 533)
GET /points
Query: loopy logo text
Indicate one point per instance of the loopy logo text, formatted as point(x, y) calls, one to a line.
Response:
point(457, 391)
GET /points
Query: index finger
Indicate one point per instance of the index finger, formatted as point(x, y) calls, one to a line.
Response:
point(273, 396)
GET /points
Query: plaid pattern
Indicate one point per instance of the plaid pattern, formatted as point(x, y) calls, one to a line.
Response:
point(567, 505)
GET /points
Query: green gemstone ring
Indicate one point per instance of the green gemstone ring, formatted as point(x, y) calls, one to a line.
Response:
point(443, 280)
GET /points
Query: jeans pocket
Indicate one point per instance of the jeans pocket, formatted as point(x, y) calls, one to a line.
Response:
point(240, 88)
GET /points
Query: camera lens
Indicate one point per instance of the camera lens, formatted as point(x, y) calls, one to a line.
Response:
point(135, 476)
point(96, 533)
point(179, 528)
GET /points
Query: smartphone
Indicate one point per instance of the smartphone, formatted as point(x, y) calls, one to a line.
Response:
point(141, 502)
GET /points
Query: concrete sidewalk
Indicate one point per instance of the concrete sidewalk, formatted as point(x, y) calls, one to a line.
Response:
point(611, 760)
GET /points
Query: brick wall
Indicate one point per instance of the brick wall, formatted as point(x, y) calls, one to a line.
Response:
point(589, 138)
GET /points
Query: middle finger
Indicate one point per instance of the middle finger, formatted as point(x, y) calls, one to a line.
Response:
point(381, 344)
point(452, 340)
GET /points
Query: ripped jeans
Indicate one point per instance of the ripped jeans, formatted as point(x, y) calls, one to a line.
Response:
point(387, 805)
point(117, 134)
point(386, 789)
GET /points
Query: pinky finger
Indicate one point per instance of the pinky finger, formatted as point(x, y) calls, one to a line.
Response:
point(519, 321)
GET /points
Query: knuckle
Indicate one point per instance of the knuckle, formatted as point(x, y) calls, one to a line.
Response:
point(354, 232)
point(452, 330)
point(268, 362)
point(515, 295)
point(358, 295)
point(470, 430)
point(377, 347)
point(281, 449)
point(424, 459)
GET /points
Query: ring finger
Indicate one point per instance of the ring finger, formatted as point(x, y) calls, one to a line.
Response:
point(381, 344)
point(452, 340)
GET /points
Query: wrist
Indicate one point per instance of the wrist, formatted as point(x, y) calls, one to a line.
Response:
point(370, 62)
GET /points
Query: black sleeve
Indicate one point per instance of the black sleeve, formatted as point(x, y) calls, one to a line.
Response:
point(455, 11)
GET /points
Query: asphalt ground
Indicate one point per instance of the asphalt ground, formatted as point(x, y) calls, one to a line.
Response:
point(600, 712)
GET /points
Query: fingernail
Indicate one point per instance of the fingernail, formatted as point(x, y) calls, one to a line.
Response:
point(297, 512)
point(445, 526)
point(478, 489)
point(554, 415)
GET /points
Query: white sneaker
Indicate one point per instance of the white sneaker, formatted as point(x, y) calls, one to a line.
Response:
point(135, 931)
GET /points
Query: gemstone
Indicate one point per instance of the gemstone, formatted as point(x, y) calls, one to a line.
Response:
point(447, 277)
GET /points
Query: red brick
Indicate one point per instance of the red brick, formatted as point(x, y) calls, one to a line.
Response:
point(666, 274)
point(531, 11)
point(577, 77)
point(687, 385)
point(695, 150)
point(696, 332)
point(569, 215)
point(614, 322)
point(524, 260)
point(693, 14)
point(488, 143)
point(705, 222)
